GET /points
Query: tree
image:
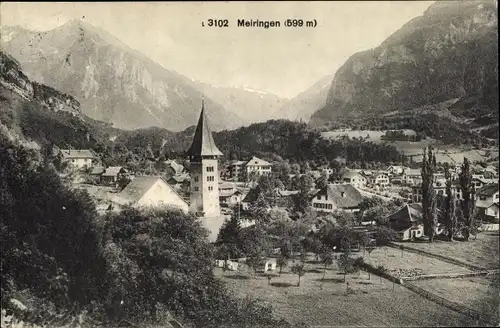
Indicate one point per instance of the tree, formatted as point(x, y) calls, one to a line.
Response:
point(298, 269)
point(346, 262)
point(327, 259)
point(230, 235)
point(467, 204)
point(449, 208)
point(384, 236)
point(301, 200)
point(281, 262)
point(322, 181)
point(428, 193)
point(370, 249)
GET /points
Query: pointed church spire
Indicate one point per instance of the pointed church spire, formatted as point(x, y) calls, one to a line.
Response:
point(203, 143)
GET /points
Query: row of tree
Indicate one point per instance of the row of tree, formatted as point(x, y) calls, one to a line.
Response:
point(459, 220)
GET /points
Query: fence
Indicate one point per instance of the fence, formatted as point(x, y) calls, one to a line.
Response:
point(447, 276)
point(433, 297)
point(449, 304)
point(439, 257)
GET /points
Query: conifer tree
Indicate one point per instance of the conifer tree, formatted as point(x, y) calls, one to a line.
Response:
point(428, 193)
point(450, 216)
point(467, 205)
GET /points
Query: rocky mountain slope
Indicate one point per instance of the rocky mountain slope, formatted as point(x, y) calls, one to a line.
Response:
point(450, 52)
point(113, 82)
point(14, 80)
point(251, 105)
point(307, 102)
point(43, 114)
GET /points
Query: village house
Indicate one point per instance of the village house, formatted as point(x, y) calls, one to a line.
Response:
point(95, 174)
point(379, 179)
point(173, 167)
point(229, 194)
point(258, 166)
point(337, 197)
point(487, 199)
point(366, 173)
point(354, 178)
point(112, 174)
point(412, 177)
point(236, 170)
point(178, 180)
point(408, 222)
point(396, 170)
point(149, 191)
point(78, 158)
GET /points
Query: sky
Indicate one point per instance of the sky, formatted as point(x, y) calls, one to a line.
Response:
point(284, 61)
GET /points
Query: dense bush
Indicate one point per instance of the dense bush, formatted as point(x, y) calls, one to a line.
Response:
point(136, 265)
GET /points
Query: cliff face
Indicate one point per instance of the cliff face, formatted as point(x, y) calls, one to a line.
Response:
point(113, 83)
point(12, 78)
point(450, 52)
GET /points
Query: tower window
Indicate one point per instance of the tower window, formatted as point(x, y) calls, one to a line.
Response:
point(210, 168)
point(196, 179)
point(210, 178)
point(196, 189)
point(210, 188)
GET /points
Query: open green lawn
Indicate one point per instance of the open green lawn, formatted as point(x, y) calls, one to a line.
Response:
point(400, 264)
point(324, 303)
point(478, 293)
point(483, 252)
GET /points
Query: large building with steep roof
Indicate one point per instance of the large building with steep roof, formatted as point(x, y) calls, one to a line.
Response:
point(258, 167)
point(204, 157)
point(149, 191)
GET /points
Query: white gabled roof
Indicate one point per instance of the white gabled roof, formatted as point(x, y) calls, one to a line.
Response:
point(255, 161)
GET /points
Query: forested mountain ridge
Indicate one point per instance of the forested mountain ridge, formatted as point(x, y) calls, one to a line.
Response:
point(113, 83)
point(450, 52)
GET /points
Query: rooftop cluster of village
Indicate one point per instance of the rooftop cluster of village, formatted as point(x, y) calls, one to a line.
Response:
point(239, 182)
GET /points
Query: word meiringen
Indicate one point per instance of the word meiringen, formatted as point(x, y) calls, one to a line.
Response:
point(258, 23)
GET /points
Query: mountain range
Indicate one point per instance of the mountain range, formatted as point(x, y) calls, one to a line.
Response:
point(441, 67)
point(307, 102)
point(112, 82)
point(449, 54)
point(251, 105)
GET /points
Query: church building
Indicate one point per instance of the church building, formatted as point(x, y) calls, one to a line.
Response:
point(204, 156)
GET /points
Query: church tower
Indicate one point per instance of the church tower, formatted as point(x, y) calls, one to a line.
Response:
point(204, 157)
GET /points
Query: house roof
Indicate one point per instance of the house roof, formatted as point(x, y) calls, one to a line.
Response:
point(228, 193)
point(235, 163)
point(343, 195)
point(97, 170)
point(255, 161)
point(179, 178)
point(350, 174)
point(412, 172)
point(488, 190)
point(134, 191)
point(286, 193)
point(77, 153)
point(112, 171)
point(226, 185)
point(412, 211)
point(178, 168)
point(203, 142)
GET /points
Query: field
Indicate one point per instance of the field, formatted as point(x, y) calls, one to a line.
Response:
point(478, 293)
point(373, 135)
point(403, 264)
point(484, 251)
point(374, 302)
point(445, 153)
